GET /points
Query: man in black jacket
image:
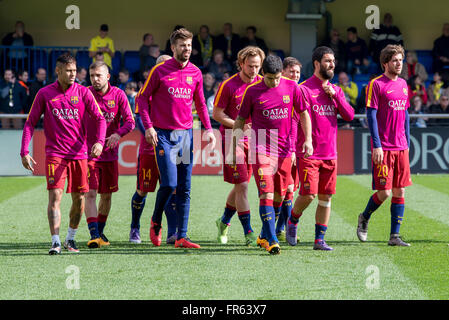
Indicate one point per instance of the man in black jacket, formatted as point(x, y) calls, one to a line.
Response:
point(17, 58)
point(385, 35)
point(441, 50)
point(229, 43)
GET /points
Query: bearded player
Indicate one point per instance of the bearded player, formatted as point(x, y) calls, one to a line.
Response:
point(318, 173)
point(103, 171)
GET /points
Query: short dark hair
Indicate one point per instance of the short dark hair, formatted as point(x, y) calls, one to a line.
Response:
point(291, 61)
point(319, 52)
point(180, 34)
point(65, 58)
point(272, 64)
point(79, 69)
point(388, 52)
point(124, 71)
point(146, 35)
point(104, 27)
point(21, 72)
point(253, 28)
point(352, 29)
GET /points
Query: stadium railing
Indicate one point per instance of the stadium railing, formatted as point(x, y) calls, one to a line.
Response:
point(35, 57)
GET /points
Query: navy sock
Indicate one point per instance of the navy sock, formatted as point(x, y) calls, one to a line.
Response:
point(267, 215)
point(101, 220)
point(286, 210)
point(228, 214)
point(93, 228)
point(245, 220)
point(170, 213)
point(182, 212)
point(397, 213)
point(320, 231)
point(162, 197)
point(137, 205)
point(372, 206)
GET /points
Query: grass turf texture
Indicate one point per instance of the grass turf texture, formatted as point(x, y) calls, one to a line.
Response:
point(232, 271)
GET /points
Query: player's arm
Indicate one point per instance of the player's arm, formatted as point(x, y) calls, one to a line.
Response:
point(143, 105)
point(344, 108)
point(407, 127)
point(371, 117)
point(37, 108)
point(139, 124)
point(93, 109)
point(294, 135)
point(128, 122)
point(221, 101)
point(203, 112)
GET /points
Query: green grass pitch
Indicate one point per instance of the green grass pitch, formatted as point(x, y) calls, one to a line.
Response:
point(354, 270)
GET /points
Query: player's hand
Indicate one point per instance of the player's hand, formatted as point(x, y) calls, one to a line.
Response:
point(151, 136)
point(27, 160)
point(113, 140)
point(378, 155)
point(307, 148)
point(329, 90)
point(293, 159)
point(209, 135)
point(96, 150)
point(247, 126)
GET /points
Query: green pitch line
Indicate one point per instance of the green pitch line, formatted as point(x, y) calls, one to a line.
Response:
point(233, 271)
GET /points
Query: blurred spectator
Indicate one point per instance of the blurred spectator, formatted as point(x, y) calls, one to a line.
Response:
point(13, 98)
point(153, 53)
point(229, 43)
point(208, 84)
point(219, 65)
point(436, 88)
point(123, 79)
point(144, 50)
point(441, 108)
point(167, 50)
point(23, 81)
point(441, 50)
point(39, 82)
point(252, 40)
point(210, 106)
point(142, 77)
point(338, 46)
point(361, 102)
point(385, 35)
point(202, 47)
point(416, 107)
point(102, 43)
point(357, 56)
point(351, 92)
point(18, 38)
point(291, 68)
point(131, 93)
point(412, 67)
point(81, 74)
point(349, 88)
point(416, 87)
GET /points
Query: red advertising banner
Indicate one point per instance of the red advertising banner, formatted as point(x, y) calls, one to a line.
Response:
point(204, 162)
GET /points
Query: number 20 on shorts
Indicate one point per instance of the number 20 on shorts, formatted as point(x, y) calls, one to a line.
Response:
point(382, 171)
